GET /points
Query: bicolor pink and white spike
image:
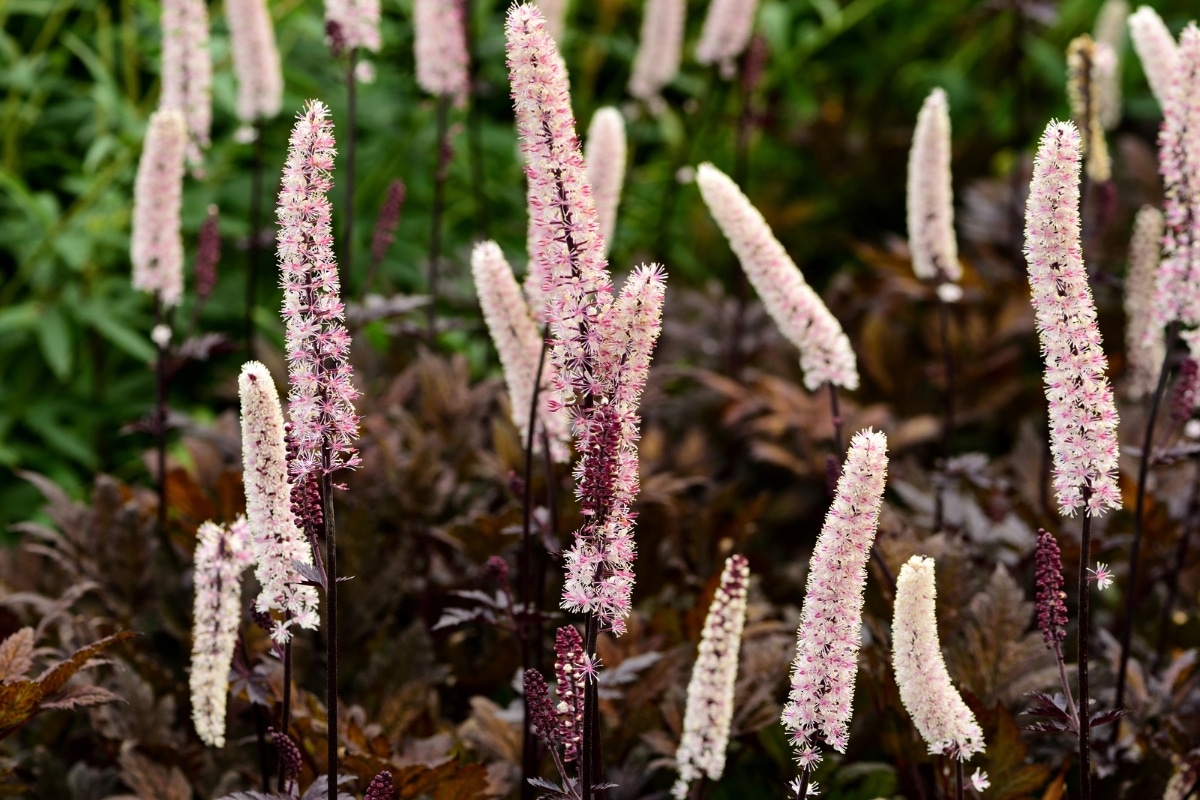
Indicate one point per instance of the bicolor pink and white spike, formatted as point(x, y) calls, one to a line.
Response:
point(1082, 413)
point(710, 693)
point(937, 709)
point(187, 72)
point(520, 347)
point(825, 352)
point(660, 50)
point(604, 153)
point(1157, 50)
point(931, 196)
point(358, 21)
point(821, 699)
point(156, 242)
point(1145, 343)
point(222, 554)
point(276, 538)
point(321, 394)
point(726, 32)
point(255, 60)
point(440, 48)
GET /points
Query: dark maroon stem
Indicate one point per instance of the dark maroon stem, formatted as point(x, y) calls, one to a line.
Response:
point(836, 411)
point(1189, 525)
point(948, 410)
point(160, 422)
point(441, 164)
point(1085, 755)
point(331, 699)
point(590, 765)
point(285, 716)
point(804, 776)
point(958, 779)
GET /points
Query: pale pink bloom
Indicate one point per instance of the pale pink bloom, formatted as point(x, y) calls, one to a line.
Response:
point(520, 347)
point(1082, 414)
point(357, 21)
point(321, 395)
point(1145, 344)
point(979, 780)
point(710, 692)
point(187, 72)
point(555, 14)
point(936, 708)
point(604, 154)
point(931, 195)
point(660, 49)
point(255, 60)
point(1178, 286)
point(1109, 33)
point(825, 353)
point(157, 244)
point(441, 48)
point(1157, 50)
point(1102, 575)
point(222, 554)
point(277, 540)
point(726, 32)
point(828, 640)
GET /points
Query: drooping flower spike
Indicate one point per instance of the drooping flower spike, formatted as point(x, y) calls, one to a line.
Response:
point(829, 637)
point(605, 157)
point(1083, 415)
point(660, 49)
point(157, 244)
point(440, 48)
point(321, 396)
point(931, 196)
point(255, 61)
point(1145, 343)
point(1156, 49)
point(187, 73)
point(710, 693)
point(726, 32)
point(942, 718)
point(222, 554)
point(825, 352)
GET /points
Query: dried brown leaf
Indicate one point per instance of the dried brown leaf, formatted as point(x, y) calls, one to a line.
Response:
point(16, 655)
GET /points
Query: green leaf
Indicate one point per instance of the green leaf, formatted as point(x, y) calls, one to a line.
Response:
point(54, 337)
point(135, 344)
point(20, 317)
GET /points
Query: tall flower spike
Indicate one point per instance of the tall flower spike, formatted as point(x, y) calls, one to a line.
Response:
point(441, 48)
point(726, 32)
point(1083, 416)
point(1156, 49)
point(321, 396)
point(931, 195)
point(1145, 345)
point(1178, 285)
point(660, 49)
point(1086, 62)
point(1110, 33)
point(357, 22)
point(187, 72)
point(157, 245)
point(222, 554)
point(277, 540)
point(605, 158)
point(828, 640)
point(519, 345)
point(571, 675)
point(937, 709)
point(710, 691)
point(825, 353)
point(255, 60)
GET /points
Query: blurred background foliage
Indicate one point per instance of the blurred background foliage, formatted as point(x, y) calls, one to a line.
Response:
point(829, 123)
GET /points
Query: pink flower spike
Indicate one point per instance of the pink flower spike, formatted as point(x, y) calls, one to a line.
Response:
point(660, 49)
point(726, 32)
point(605, 157)
point(255, 60)
point(1145, 342)
point(157, 249)
point(187, 73)
point(829, 636)
point(1083, 415)
point(322, 394)
point(931, 195)
point(825, 352)
point(440, 48)
point(1157, 50)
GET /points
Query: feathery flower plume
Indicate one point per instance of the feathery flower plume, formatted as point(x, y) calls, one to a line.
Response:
point(555, 14)
point(1178, 288)
point(277, 540)
point(356, 23)
point(1156, 49)
point(604, 154)
point(1083, 416)
point(828, 640)
point(937, 709)
point(157, 249)
point(321, 396)
point(711, 689)
point(931, 195)
point(1145, 345)
point(222, 553)
point(825, 353)
point(570, 668)
point(255, 60)
point(1109, 33)
point(441, 48)
point(726, 32)
point(187, 72)
point(600, 347)
point(660, 49)
point(519, 345)
point(1084, 62)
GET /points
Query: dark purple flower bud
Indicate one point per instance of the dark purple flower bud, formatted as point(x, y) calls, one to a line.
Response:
point(382, 787)
point(289, 754)
point(387, 221)
point(1051, 610)
point(262, 619)
point(497, 567)
point(569, 669)
point(541, 712)
point(1183, 400)
point(208, 255)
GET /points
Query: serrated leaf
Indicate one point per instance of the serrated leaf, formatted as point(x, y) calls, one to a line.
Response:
point(55, 677)
point(1099, 718)
point(81, 697)
point(311, 574)
point(16, 655)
